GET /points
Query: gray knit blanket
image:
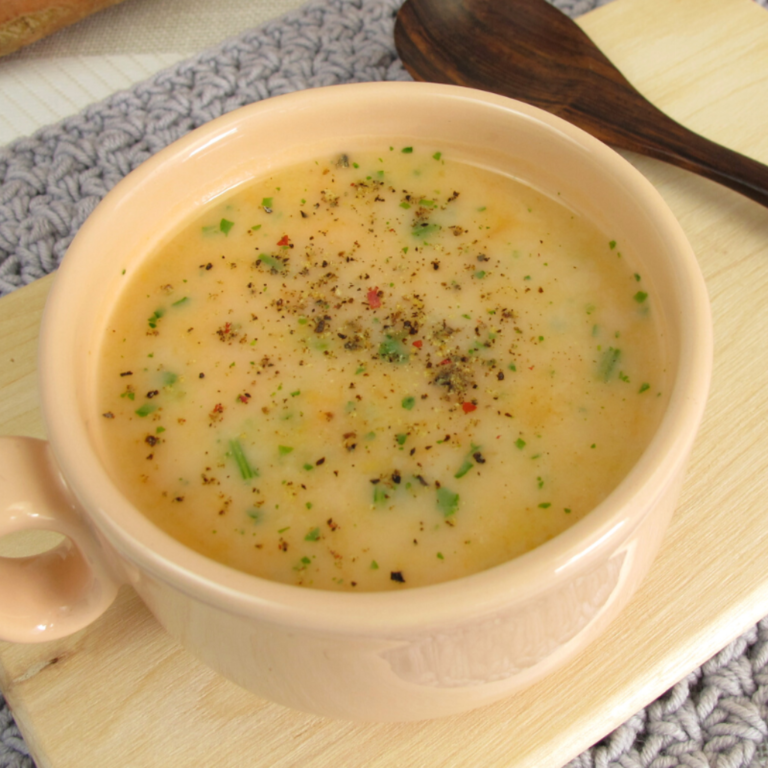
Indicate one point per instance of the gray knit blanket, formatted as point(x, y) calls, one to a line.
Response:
point(717, 717)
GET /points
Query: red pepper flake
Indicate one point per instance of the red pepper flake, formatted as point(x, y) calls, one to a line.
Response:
point(244, 398)
point(217, 414)
point(418, 343)
point(226, 333)
point(447, 361)
point(468, 407)
point(374, 299)
point(284, 240)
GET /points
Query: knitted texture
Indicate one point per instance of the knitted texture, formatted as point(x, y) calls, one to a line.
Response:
point(714, 718)
point(49, 183)
point(13, 750)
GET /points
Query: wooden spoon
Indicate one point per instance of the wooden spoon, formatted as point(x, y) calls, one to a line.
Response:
point(531, 51)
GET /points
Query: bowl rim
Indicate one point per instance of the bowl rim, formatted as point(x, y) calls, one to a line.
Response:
point(598, 533)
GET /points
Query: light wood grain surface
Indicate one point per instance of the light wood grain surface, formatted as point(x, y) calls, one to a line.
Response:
point(121, 693)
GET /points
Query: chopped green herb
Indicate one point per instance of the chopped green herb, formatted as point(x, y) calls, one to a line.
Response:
point(612, 244)
point(393, 349)
point(156, 315)
point(225, 225)
point(425, 229)
point(447, 501)
point(313, 535)
point(374, 565)
point(407, 150)
point(247, 472)
point(401, 438)
point(608, 362)
point(474, 453)
point(520, 443)
point(308, 467)
point(272, 262)
point(437, 155)
point(640, 297)
point(644, 387)
point(146, 409)
point(379, 494)
point(440, 556)
point(182, 300)
point(408, 403)
point(464, 468)
point(267, 202)
point(284, 449)
point(169, 379)
point(545, 505)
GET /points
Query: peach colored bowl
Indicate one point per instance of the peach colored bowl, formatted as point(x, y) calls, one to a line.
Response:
point(419, 653)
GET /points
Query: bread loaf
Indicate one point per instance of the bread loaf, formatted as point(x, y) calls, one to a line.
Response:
point(24, 21)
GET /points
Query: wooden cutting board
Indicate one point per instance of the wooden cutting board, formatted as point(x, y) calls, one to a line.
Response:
point(121, 693)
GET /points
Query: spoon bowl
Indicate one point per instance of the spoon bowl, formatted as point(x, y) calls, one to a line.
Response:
point(531, 51)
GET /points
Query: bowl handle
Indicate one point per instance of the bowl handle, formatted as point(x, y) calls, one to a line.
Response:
point(52, 594)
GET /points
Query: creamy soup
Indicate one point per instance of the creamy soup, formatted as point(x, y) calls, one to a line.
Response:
point(378, 370)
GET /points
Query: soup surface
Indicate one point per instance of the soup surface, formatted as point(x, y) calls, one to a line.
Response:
point(378, 370)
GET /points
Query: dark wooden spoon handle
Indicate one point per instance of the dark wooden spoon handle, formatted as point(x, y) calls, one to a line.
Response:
point(641, 127)
point(533, 52)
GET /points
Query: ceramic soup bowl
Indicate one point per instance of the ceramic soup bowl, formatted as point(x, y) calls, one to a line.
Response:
point(418, 653)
